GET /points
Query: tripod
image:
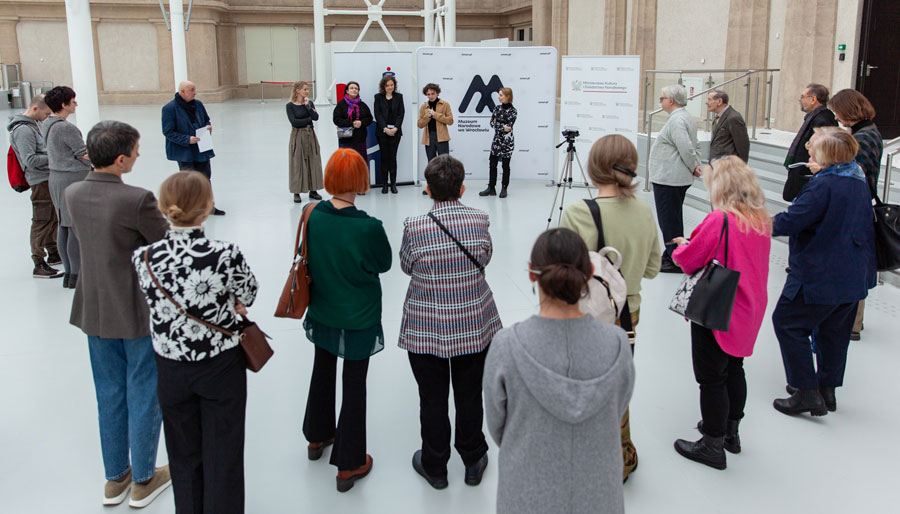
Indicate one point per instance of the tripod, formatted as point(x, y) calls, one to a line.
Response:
point(565, 177)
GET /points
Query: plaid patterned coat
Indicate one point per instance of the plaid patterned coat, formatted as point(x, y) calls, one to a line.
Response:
point(449, 308)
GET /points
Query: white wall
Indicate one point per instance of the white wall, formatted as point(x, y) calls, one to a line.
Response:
point(846, 32)
point(121, 70)
point(44, 51)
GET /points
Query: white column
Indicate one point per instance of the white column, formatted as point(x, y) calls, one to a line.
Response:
point(179, 48)
point(319, 43)
point(429, 22)
point(450, 23)
point(84, 69)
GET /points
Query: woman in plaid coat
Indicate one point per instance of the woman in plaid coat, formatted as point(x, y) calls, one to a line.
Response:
point(449, 319)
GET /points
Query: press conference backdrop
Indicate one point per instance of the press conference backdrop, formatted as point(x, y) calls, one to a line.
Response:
point(367, 68)
point(599, 96)
point(470, 79)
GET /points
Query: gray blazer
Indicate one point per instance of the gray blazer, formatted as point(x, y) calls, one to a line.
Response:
point(729, 136)
point(111, 220)
point(676, 151)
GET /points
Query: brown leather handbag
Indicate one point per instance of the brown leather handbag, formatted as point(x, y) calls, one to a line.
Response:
point(295, 296)
point(252, 338)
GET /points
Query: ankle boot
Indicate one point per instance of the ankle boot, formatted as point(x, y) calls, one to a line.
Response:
point(828, 397)
point(803, 400)
point(708, 450)
point(394, 182)
point(503, 192)
point(73, 280)
point(732, 439)
point(489, 191)
point(384, 188)
point(66, 278)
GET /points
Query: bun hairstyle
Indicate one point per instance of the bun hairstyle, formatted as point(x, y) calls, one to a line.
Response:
point(560, 260)
point(185, 198)
point(610, 158)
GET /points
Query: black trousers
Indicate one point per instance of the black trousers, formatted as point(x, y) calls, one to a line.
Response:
point(829, 326)
point(204, 407)
point(388, 146)
point(203, 167)
point(434, 375)
point(433, 148)
point(492, 162)
point(723, 386)
point(349, 451)
point(669, 203)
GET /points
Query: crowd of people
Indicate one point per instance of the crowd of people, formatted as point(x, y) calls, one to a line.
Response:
point(163, 306)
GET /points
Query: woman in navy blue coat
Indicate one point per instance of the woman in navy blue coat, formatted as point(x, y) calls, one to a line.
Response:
point(832, 263)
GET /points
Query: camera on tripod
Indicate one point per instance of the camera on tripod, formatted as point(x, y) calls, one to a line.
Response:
point(570, 134)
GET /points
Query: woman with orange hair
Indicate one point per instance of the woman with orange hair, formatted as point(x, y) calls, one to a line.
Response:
point(347, 250)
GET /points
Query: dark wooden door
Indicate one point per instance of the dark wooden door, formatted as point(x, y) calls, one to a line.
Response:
point(878, 69)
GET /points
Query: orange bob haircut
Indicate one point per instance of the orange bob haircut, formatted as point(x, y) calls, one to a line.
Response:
point(346, 172)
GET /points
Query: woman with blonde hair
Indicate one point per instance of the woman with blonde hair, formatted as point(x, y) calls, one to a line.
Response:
point(832, 260)
point(628, 226)
point(202, 370)
point(736, 233)
point(304, 158)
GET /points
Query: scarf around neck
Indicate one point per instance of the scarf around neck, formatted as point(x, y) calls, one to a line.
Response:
point(352, 106)
point(844, 169)
point(189, 107)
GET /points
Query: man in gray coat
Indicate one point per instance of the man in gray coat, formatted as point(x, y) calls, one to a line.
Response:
point(111, 220)
point(28, 146)
point(729, 132)
point(674, 162)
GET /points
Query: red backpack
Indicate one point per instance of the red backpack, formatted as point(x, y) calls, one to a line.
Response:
point(16, 173)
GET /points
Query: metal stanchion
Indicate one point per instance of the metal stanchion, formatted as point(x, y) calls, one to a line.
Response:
point(755, 107)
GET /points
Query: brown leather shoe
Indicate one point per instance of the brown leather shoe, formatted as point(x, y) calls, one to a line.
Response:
point(345, 479)
point(314, 450)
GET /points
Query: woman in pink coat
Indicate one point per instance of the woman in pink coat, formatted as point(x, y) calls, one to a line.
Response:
point(718, 357)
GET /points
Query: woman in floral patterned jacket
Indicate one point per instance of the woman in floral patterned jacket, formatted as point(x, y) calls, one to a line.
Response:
point(202, 384)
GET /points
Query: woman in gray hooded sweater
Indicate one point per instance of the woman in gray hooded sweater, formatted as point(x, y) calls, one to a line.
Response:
point(68, 163)
point(556, 386)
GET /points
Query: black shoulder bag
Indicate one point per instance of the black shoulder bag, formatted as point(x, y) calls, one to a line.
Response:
point(887, 232)
point(460, 245)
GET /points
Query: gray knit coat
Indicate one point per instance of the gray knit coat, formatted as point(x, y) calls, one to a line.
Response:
point(555, 392)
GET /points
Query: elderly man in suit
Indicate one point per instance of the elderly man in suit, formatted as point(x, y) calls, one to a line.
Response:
point(674, 162)
point(729, 132)
point(111, 220)
point(812, 102)
point(181, 118)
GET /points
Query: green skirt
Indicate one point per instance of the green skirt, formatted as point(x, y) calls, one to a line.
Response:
point(352, 345)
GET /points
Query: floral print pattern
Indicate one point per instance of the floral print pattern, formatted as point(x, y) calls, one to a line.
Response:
point(504, 142)
point(206, 277)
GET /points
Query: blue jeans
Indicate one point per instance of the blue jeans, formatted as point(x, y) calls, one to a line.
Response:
point(125, 381)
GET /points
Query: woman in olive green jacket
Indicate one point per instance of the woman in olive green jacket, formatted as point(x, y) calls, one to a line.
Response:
point(347, 250)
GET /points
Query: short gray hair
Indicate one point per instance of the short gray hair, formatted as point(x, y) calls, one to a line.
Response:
point(675, 92)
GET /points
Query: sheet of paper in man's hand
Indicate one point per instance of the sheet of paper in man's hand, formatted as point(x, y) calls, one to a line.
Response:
point(205, 144)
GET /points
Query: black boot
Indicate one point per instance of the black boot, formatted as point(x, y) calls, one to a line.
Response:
point(732, 439)
point(384, 187)
point(489, 191)
point(708, 450)
point(503, 192)
point(73, 280)
point(314, 195)
point(827, 395)
point(803, 400)
point(66, 278)
point(394, 182)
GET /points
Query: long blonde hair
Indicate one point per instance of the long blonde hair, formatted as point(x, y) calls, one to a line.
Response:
point(297, 85)
point(733, 187)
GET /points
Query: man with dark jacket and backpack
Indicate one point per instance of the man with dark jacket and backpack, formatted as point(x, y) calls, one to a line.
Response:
point(28, 146)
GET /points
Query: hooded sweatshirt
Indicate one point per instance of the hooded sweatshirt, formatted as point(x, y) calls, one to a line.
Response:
point(555, 393)
point(28, 144)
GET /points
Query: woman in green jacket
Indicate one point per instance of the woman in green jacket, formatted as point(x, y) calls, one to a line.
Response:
point(347, 250)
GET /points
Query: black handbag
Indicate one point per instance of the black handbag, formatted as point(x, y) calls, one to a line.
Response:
point(707, 296)
point(887, 233)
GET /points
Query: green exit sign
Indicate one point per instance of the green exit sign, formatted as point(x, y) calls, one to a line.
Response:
point(842, 47)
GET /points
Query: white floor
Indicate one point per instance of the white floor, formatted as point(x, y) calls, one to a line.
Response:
point(49, 444)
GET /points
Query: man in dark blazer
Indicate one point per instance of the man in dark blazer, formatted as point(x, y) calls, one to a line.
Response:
point(181, 118)
point(112, 220)
point(812, 102)
point(729, 132)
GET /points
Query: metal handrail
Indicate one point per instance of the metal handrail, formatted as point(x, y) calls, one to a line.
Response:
point(755, 70)
point(888, 165)
point(649, 124)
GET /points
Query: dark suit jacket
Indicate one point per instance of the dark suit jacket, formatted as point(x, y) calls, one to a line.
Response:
point(178, 127)
point(831, 241)
point(340, 119)
point(382, 112)
point(797, 177)
point(111, 220)
point(729, 137)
